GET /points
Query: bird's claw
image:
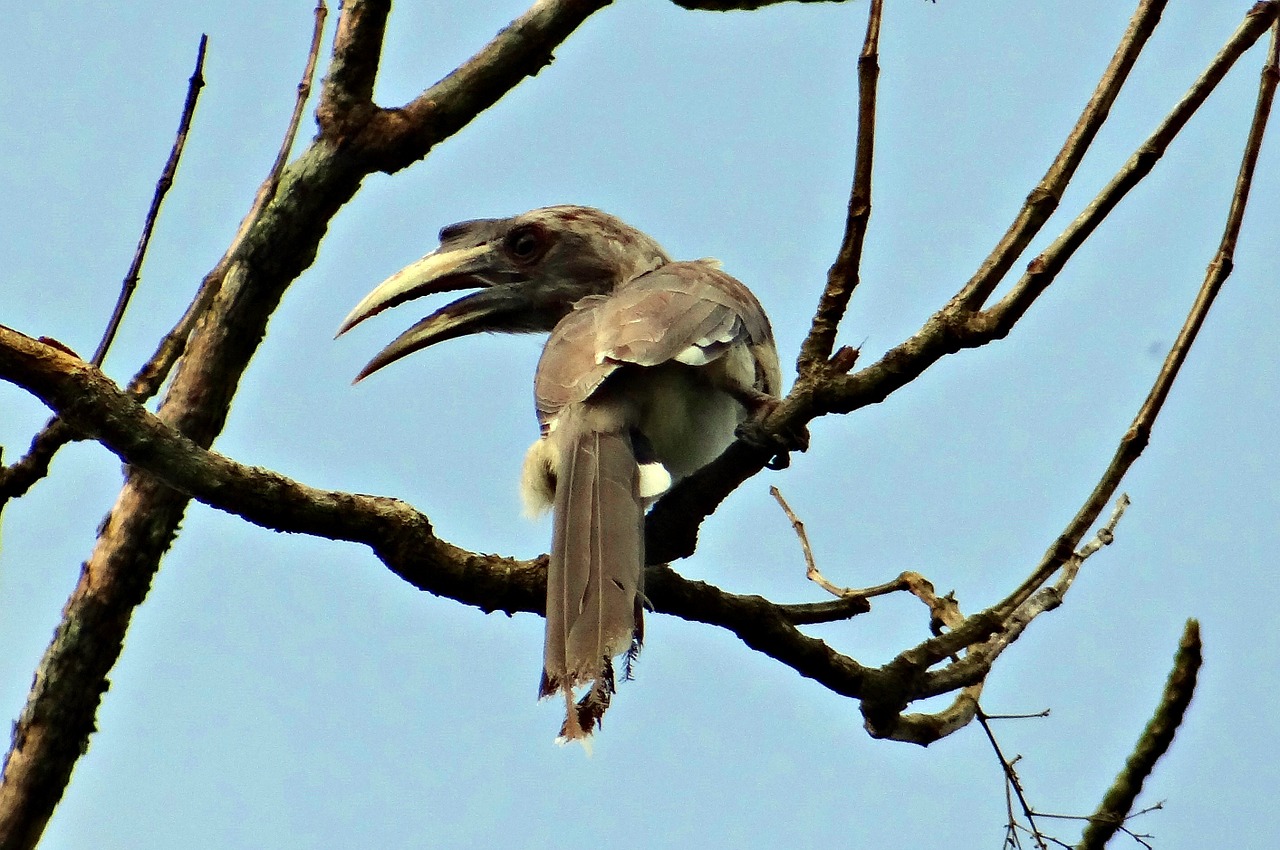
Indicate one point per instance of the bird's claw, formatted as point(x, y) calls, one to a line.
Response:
point(779, 443)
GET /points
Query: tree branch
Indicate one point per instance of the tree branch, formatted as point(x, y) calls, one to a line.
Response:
point(163, 185)
point(398, 534)
point(842, 278)
point(396, 138)
point(952, 329)
point(1045, 197)
point(273, 250)
point(1152, 744)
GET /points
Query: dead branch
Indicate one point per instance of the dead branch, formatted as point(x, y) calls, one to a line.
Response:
point(676, 517)
point(842, 278)
point(162, 188)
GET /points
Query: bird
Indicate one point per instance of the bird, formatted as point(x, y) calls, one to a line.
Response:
point(650, 367)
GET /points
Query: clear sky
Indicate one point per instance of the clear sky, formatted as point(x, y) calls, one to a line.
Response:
point(286, 692)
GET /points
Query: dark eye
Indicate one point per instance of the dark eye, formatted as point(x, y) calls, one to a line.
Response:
point(524, 244)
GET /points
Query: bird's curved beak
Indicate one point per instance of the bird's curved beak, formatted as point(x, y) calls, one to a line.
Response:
point(439, 271)
point(494, 307)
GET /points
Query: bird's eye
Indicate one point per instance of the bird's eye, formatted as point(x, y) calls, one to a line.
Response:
point(524, 244)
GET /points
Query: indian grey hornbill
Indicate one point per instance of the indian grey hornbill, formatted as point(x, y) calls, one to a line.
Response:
point(650, 368)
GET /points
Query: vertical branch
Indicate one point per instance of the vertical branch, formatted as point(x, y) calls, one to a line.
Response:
point(842, 278)
point(53, 730)
point(162, 188)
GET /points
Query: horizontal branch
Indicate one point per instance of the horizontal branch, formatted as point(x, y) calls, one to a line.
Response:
point(399, 535)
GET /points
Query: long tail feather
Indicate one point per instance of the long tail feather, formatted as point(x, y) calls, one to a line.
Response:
point(595, 573)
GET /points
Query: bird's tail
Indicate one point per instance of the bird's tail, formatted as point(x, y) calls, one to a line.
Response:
point(595, 575)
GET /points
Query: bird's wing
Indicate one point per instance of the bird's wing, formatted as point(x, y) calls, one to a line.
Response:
point(685, 312)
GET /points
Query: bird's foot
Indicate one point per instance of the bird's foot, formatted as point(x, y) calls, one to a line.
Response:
point(780, 443)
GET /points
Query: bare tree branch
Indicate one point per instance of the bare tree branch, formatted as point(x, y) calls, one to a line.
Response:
point(1153, 743)
point(162, 188)
point(1045, 197)
point(401, 536)
point(676, 517)
point(396, 138)
point(842, 278)
point(170, 461)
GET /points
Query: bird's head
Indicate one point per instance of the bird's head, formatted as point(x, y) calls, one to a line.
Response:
point(529, 269)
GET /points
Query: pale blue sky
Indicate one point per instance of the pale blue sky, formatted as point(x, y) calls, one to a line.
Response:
point(286, 692)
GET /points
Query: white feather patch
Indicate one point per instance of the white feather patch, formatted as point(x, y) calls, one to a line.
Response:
point(693, 356)
point(654, 480)
point(537, 478)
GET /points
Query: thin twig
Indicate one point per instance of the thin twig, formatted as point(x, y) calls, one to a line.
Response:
point(811, 567)
point(842, 278)
point(1032, 716)
point(194, 84)
point(1011, 781)
point(148, 380)
point(943, 609)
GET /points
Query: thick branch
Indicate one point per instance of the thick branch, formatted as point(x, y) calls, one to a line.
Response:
point(401, 536)
point(272, 250)
point(396, 138)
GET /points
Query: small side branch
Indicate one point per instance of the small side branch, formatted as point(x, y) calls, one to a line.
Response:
point(147, 381)
point(1154, 742)
point(162, 188)
point(842, 278)
point(17, 479)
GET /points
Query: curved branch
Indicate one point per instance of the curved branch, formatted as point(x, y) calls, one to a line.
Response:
point(1152, 744)
point(396, 138)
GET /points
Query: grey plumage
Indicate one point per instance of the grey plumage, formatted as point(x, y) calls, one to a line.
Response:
point(650, 367)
